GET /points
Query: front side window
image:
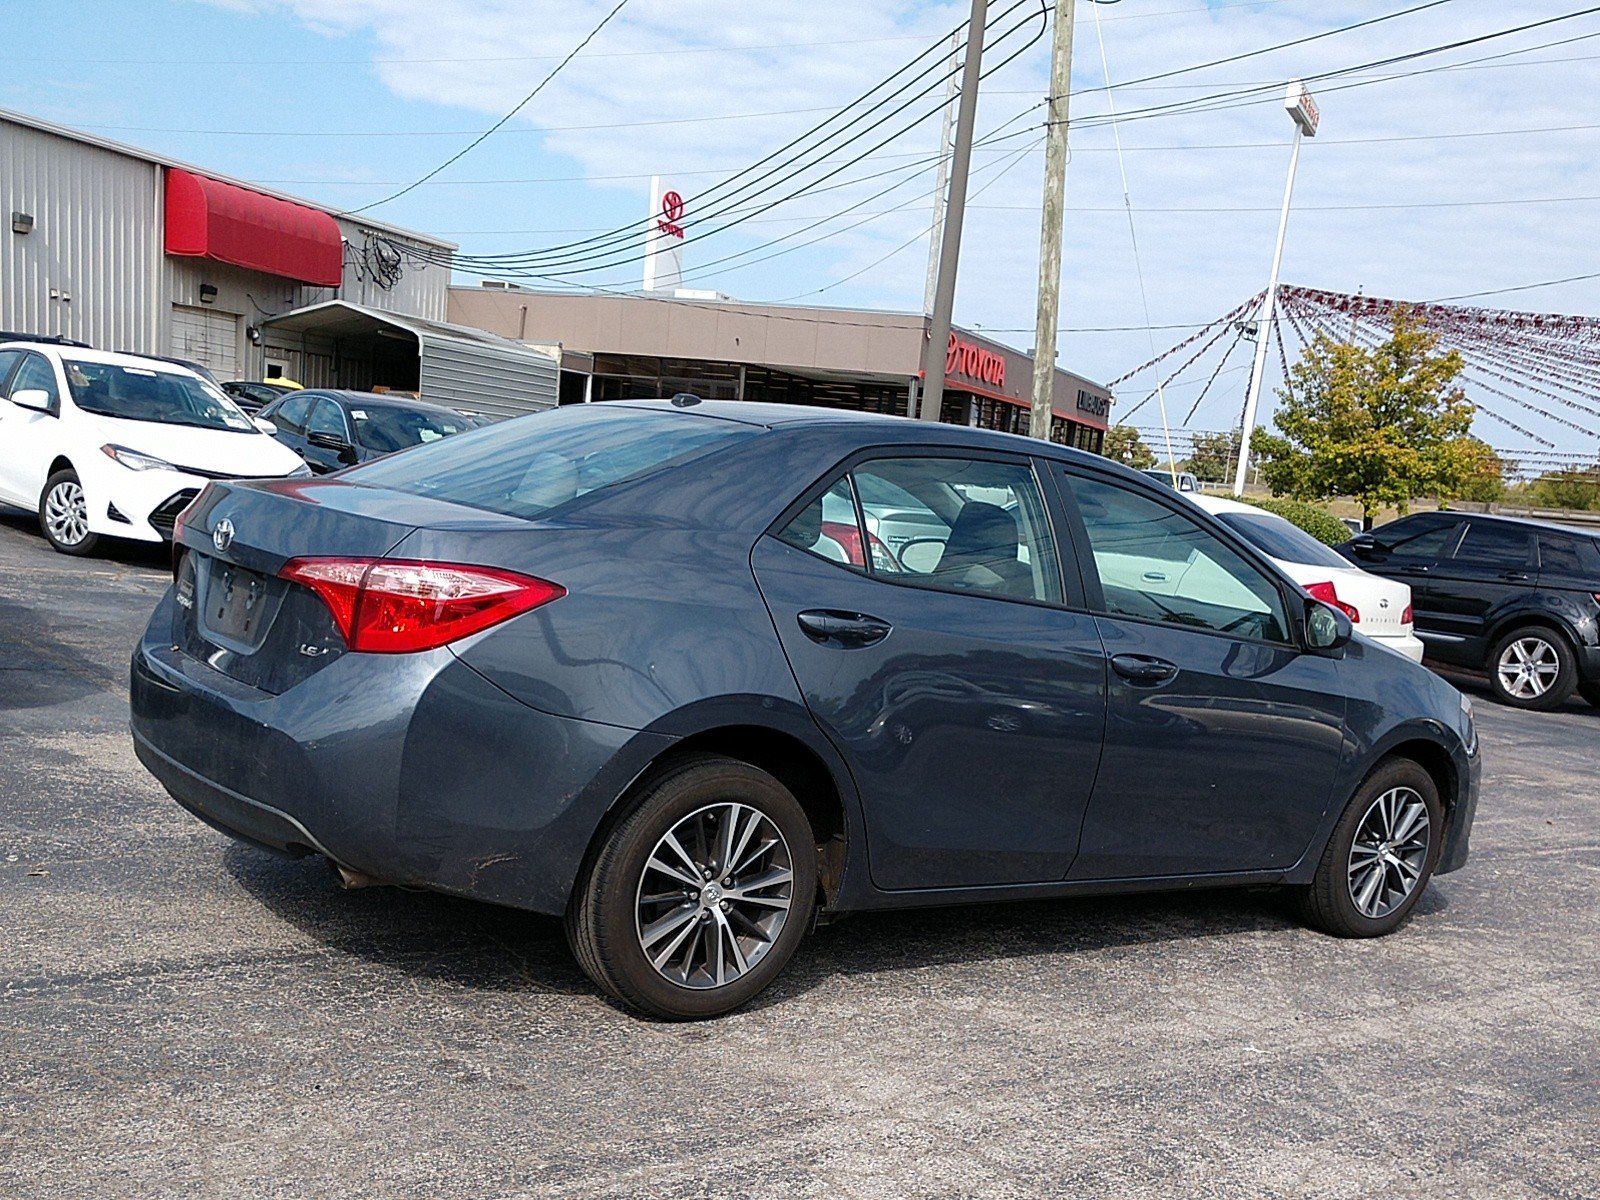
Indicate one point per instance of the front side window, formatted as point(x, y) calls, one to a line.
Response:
point(326, 418)
point(143, 394)
point(1158, 564)
point(8, 363)
point(970, 525)
point(1420, 539)
point(1492, 545)
point(290, 416)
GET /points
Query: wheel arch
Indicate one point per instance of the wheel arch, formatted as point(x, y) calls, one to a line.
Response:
point(788, 746)
point(60, 463)
point(1524, 618)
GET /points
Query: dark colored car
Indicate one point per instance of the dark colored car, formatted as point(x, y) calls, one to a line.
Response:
point(605, 662)
point(1517, 599)
point(336, 429)
point(251, 394)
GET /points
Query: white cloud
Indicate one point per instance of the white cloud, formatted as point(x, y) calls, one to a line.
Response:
point(663, 59)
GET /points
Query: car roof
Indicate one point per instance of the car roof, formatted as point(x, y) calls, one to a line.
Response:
point(115, 358)
point(880, 427)
point(348, 396)
point(1548, 526)
point(1221, 504)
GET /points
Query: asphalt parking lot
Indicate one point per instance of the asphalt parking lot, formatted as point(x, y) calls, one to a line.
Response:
point(182, 1015)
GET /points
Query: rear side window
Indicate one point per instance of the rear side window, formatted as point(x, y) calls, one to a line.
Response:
point(827, 527)
point(1492, 545)
point(1570, 556)
point(1277, 538)
point(530, 466)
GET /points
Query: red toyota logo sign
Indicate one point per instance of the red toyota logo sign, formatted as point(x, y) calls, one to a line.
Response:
point(671, 215)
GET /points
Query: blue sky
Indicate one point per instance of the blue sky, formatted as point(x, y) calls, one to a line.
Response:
point(338, 100)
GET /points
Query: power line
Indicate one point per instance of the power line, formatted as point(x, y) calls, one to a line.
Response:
point(1526, 287)
point(489, 132)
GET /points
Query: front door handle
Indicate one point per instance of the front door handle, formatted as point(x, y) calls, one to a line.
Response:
point(1416, 569)
point(1515, 576)
point(848, 630)
point(1142, 670)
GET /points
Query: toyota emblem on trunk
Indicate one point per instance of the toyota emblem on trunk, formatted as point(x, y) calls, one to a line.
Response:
point(222, 535)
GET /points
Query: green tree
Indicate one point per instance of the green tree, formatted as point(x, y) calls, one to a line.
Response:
point(1374, 423)
point(1566, 489)
point(1213, 456)
point(1124, 445)
point(1473, 472)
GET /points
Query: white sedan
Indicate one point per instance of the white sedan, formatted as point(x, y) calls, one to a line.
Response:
point(116, 445)
point(1379, 608)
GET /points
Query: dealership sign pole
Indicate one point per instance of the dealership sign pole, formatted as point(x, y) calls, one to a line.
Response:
point(663, 257)
point(1303, 110)
point(944, 299)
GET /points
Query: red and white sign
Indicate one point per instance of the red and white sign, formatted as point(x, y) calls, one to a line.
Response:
point(1302, 108)
point(965, 360)
point(669, 222)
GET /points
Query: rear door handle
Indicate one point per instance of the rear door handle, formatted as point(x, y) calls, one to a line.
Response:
point(1413, 570)
point(1142, 670)
point(849, 630)
point(1515, 576)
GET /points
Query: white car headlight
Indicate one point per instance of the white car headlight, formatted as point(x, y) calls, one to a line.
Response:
point(300, 472)
point(135, 461)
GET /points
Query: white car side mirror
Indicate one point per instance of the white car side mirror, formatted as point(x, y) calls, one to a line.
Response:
point(264, 425)
point(35, 398)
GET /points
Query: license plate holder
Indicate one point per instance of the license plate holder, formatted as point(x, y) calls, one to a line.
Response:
point(237, 603)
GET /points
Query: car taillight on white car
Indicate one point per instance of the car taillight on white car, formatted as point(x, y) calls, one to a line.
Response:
point(1328, 594)
point(393, 606)
point(1409, 617)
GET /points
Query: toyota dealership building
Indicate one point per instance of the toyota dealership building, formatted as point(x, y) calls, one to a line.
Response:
point(618, 346)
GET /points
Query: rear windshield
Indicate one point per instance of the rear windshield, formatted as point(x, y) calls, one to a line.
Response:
point(387, 428)
point(1277, 538)
point(527, 467)
point(142, 394)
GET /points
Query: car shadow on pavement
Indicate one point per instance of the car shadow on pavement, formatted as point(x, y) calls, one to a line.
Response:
point(485, 946)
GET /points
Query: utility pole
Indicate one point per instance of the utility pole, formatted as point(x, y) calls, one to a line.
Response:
point(944, 297)
point(1303, 110)
point(1055, 186)
point(936, 234)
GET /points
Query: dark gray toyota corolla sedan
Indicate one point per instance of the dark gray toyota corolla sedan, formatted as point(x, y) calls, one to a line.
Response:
point(687, 675)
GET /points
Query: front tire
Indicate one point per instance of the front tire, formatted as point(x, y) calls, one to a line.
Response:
point(64, 515)
point(1534, 668)
point(1380, 857)
point(697, 900)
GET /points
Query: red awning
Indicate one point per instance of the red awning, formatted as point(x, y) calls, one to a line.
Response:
point(221, 221)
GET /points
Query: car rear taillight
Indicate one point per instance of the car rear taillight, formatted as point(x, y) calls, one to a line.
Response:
point(1409, 617)
point(179, 523)
point(849, 537)
point(1329, 595)
point(392, 606)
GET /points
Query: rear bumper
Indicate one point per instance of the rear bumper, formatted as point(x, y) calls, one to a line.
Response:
point(412, 769)
point(1403, 643)
point(1589, 663)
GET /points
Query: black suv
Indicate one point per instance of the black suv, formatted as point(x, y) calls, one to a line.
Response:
point(1517, 599)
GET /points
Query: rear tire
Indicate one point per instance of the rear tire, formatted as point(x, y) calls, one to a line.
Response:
point(1534, 668)
point(1381, 854)
point(64, 515)
point(695, 902)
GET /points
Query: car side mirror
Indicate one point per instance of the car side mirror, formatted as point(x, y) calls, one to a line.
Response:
point(1364, 544)
point(328, 441)
point(35, 398)
point(1327, 629)
point(264, 425)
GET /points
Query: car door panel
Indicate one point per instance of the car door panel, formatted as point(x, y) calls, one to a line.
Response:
point(1222, 736)
point(28, 436)
point(973, 734)
point(1493, 563)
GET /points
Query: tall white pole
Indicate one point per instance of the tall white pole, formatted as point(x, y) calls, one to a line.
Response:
point(1264, 322)
point(1048, 314)
point(951, 91)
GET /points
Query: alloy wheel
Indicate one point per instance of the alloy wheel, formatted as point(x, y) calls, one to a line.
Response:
point(1528, 668)
point(714, 895)
point(1389, 852)
point(66, 514)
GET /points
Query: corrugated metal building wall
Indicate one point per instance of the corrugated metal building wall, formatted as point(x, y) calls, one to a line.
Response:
point(94, 265)
point(91, 267)
point(486, 379)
